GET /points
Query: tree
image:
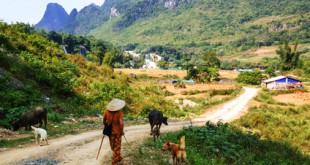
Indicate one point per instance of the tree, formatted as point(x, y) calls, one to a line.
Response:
point(187, 66)
point(289, 58)
point(70, 42)
point(252, 78)
point(206, 70)
point(162, 64)
point(56, 37)
point(270, 72)
point(207, 74)
point(108, 58)
point(210, 60)
point(192, 73)
point(137, 62)
point(99, 49)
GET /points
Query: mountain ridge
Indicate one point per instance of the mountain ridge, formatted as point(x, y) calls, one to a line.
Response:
point(194, 25)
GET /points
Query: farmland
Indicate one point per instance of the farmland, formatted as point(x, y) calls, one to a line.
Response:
point(159, 73)
point(298, 97)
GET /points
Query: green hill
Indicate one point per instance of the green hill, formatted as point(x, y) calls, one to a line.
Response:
point(35, 71)
point(177, 30)
point(227, 27)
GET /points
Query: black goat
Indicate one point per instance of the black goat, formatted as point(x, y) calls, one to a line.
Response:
point(31, 117)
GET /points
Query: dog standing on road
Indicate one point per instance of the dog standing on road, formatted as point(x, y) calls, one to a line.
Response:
point(40, 132)
point(178, 152)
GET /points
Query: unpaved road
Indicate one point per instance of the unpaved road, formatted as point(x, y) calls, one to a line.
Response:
point(82, 149)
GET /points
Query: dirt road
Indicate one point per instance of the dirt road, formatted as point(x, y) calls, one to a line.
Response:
point(82, 149)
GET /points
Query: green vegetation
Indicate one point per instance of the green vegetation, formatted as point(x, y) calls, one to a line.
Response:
point(34, 71)
point(207, 68)
point(289, 58)
point(270, 133)
point(252, 78)
point(289, 61)
point(220, 144)
point(229, 28)
point(162, 64)
point(291, 121)
point(96, 51)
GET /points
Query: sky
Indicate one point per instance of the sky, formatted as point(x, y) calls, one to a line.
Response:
point(31, 11)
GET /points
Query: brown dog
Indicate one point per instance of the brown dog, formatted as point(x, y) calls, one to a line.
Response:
point(156, 133)
point(178, 152)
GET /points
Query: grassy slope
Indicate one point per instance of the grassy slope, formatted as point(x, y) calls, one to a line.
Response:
point(256, 54)
point(191, 28)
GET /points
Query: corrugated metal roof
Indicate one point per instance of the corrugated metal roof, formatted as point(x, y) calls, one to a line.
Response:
point(277, 78)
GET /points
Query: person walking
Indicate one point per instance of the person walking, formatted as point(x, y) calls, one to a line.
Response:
point(114, 115)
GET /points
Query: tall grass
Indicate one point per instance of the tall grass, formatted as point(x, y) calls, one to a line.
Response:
point(220, 144)
point(283, 124)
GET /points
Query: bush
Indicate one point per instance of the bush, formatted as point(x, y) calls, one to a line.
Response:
point(252, 78)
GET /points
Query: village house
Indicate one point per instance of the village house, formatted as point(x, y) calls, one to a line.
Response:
point(281, 82)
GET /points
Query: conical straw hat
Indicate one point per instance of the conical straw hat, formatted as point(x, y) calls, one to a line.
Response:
point(116, 104)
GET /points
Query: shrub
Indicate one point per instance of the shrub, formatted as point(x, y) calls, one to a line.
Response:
point(252, 78)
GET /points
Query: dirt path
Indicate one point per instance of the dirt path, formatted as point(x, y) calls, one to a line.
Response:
point(82, 149)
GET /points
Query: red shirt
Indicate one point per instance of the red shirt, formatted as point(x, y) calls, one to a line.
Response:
point(118, 121)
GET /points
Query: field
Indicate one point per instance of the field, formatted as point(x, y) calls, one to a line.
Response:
point(198, 96)
point(159, 73)
point(190, 88)
point(295, 98)
point(199, 87)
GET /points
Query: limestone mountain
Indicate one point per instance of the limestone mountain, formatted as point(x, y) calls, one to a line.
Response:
point(194, 25)
point(72, 15)
point(86, 19)
point(54, 18)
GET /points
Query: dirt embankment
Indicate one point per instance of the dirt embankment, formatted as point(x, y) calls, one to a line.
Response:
point(83, 148)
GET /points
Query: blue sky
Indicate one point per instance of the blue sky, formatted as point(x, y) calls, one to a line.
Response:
point(31, 11)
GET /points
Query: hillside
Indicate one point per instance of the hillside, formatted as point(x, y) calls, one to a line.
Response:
point(34, 70)
point(197, 26)
point(227, 27)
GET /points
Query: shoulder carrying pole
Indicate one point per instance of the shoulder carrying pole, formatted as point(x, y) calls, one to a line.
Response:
point(100, 147)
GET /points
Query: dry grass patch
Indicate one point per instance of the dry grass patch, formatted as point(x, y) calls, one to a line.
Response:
point(153, 72)
point(295, 98)
point(179, 95)
point(230, 74)
point(158, 73)
point(200, 87)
